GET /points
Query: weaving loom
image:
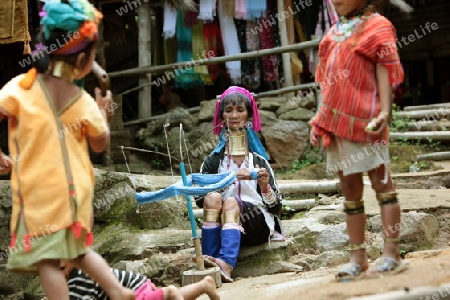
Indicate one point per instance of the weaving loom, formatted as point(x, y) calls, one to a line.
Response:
point(197, 185)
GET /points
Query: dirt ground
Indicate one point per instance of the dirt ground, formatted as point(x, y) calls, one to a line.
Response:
point(427, 271)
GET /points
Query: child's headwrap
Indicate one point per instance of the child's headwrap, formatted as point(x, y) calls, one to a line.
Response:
point(79, 19)
point(252, 139)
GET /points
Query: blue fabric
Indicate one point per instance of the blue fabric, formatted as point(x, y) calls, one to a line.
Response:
point(255, 9)
point(254, 174)
point(185, 77)
point(205, 183)
point(230, 245)
point(253, 141)
point(211, 241)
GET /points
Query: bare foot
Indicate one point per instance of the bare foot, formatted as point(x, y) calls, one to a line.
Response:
point(209, 285)
point(360, 257)
point(223, 265)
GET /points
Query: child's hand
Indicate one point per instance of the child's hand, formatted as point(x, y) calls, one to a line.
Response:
point(105, 103)
point(5, 164)
point(313, 138)
point(377, 125)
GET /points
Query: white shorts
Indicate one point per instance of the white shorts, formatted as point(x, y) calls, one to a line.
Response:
point(353, 157)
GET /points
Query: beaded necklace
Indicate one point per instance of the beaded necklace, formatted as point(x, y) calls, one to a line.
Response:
point(345, 27)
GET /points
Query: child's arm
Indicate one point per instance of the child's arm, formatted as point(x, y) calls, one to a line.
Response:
point(99, 113)
point(385, 93)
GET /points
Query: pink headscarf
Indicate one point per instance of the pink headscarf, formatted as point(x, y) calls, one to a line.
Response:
point(238, 90)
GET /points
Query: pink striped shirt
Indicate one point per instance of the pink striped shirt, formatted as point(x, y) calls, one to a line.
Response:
point(347, 77)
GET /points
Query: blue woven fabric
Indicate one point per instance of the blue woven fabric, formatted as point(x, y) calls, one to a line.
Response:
point(198, 184)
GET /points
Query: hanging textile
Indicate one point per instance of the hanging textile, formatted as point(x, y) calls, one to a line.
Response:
point(332, 13)
point(256, 8)
point(207, 10)
point(198, 49)
point(323, 25)
point(170, 21)
point(185, 77)
point(211, 38)
point(191, 16)
point(231, 45)
point(249, 41)
point(228, 7)
point(267, 39)
point(240, 11)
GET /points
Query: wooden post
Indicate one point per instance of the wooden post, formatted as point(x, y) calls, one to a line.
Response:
point(101, 60)
point(144, 50)
point(286, 56)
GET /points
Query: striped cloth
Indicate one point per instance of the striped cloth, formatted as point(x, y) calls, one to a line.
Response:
point(346, 73)
point(81, 286)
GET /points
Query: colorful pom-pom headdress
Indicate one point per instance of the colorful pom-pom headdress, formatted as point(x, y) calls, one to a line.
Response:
point(78, 18)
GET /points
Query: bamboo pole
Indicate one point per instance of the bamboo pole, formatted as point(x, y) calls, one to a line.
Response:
point(435, 156)
point(144, 35)
point(286, 56)
point(428, 106)
point(289, 89)
point(325, 186)
point(214, 60)
point(429, 114)
point(421, 135)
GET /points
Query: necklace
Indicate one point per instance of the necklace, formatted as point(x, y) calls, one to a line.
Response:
point(64, 71)
point(345, 27)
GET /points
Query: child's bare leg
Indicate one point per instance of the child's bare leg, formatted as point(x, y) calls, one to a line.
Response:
point(97, 268)
point(206, 285)
point(53, 280)
point(390, 211)
point(352, 187)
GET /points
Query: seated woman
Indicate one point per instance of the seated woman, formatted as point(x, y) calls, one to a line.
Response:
point(245, 213)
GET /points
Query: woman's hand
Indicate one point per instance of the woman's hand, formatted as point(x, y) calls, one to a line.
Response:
point(313, 137)
point(263, 179)
point(243, 174)
point(106, 104)
point(377, 125)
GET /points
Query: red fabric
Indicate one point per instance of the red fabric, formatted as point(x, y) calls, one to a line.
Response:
point(148, 291)
point(267, 40)
point(211, 34)
point(89, 239)
point(76, 228)
point(190, 17)
point(346, 73)
point(13, 241)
